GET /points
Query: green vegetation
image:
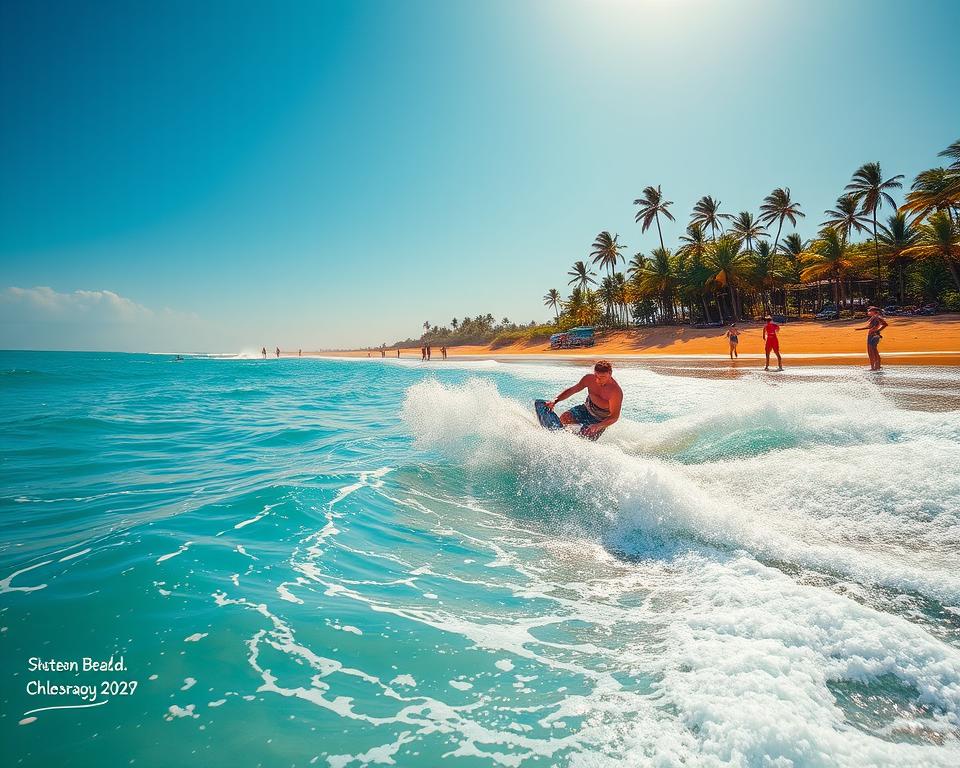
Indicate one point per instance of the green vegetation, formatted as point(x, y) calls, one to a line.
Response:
point(716, 275)
point(484, 329)
point(729, 267)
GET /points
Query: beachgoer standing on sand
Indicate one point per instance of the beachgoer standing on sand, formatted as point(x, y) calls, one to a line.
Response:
point(299, 353)
point(264, 353)
point(428, 351)
point(874, 325)
point(423, 352)
point(602, 406)
point(771, 342)
point(398, 353)
point(733, 336)
point(443, 352)
point(278, 353)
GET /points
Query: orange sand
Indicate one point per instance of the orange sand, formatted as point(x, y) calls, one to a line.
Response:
point(908, 340)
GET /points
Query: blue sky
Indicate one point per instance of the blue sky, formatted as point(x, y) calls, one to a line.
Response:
point(226, 175)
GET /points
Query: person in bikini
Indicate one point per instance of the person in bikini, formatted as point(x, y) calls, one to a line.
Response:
point(874, 325)
point(602, 406)
point(771, 342)
point(733, 335)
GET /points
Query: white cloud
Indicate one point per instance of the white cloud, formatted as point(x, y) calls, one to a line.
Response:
point(43, 318)
point(45, 303)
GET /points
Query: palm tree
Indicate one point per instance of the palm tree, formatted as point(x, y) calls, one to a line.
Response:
point(871, 190)
point(791, 250)
point(576, 304)
point(620, 286)
point(953, 151)
point(426, 326)
point(658, 276)
point(636, 265)
point(746, 229)
point(895, 237)
point(552, 299)
point(706, 213)
point(606, 251)
point(846, 217)
point(693, 251)
point(778, 206)
point(453, 323)
point(581, 276)
point(608, 294)
point(728, 267)
point(765, 273)
point(695, 278)
point(829, 256)
point(594, 307)
point(933, 190)
point(695, 242)
point(939, 238)
point(652, 205)
point(792, 247)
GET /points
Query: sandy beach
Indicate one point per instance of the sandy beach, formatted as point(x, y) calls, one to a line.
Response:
point(907, 341)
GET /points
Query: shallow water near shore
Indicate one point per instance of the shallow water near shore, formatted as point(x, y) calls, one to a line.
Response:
point(321, 562)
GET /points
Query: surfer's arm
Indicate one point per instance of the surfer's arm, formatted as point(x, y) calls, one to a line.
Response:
point(582, 384)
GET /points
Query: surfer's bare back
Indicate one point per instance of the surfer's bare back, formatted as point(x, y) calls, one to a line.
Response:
point(602, 406)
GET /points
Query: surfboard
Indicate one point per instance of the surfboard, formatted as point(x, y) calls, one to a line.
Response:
point(547, 418)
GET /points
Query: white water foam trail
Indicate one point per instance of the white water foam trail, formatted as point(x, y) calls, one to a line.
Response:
point(644, 496)
point(751, 654)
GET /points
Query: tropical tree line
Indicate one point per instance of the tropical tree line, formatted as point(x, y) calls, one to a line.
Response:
point(482, 329)
point(730, 266)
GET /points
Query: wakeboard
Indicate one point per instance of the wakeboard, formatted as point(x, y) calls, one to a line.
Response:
point(547, 418)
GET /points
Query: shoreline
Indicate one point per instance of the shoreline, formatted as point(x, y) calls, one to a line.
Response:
point(933, 340)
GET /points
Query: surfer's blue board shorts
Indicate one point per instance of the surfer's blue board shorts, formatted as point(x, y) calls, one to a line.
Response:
point(581, 415)
point(584, 418)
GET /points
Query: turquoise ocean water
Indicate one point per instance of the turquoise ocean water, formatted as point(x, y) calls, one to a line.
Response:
point(307, 562)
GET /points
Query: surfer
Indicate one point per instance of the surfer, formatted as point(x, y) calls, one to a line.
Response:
point(874, 325)
point(602, 406)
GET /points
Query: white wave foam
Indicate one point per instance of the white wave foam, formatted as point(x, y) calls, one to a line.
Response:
point(639, 497)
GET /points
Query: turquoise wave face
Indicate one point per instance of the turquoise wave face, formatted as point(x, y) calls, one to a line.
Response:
point(366, 562)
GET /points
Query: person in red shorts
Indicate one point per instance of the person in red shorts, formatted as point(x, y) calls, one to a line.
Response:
point(771, 342)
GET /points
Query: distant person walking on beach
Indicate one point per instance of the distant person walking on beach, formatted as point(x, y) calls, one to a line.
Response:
point(733, 336)
point(264, 353)
point(874, 325)
point(299, 353)
point(443, 352)
point(428, 351)
point(278, 353)
point(398, 353)
point(771, 342)
point(423, 352)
